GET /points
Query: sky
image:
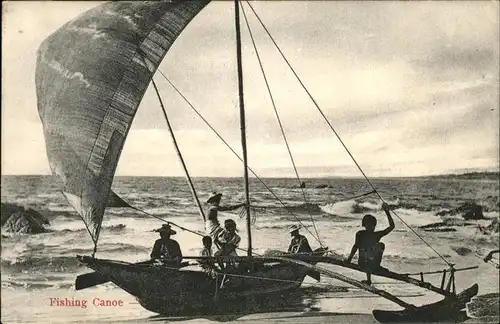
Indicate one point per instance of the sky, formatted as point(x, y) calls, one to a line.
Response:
point(412, 88)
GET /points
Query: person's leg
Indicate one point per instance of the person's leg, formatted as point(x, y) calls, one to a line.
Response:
point(379, 252)
point(368, 278)
point(364, 263)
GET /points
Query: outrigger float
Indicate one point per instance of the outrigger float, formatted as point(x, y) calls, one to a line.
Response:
point(91, 75)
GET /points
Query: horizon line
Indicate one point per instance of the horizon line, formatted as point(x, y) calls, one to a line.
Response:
point(283, 177)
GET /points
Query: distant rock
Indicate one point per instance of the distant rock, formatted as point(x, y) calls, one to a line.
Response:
point(469, 210)
point(447, 223)
point(462, 250)
point(18, 219)
point(322, 186)
point(301, 186)
point(441, 229)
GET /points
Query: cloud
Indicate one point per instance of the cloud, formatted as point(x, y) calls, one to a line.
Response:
point(401, 82)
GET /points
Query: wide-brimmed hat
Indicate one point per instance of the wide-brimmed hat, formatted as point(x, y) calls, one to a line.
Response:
point(293, 228)
point(165, 228)
point(215, 197)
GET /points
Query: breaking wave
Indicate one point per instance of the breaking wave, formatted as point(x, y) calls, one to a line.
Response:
point(111, 228)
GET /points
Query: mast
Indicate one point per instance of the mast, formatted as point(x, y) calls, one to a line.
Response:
point(242, 122)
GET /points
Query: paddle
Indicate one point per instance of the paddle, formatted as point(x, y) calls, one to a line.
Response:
point(316, 275)
point(88, 280)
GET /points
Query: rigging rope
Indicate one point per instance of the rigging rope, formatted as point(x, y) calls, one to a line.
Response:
point(279, 122)
point(235, 154)
point(190, 182)
point(337, 135)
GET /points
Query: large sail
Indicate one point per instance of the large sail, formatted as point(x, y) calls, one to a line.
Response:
point(91, 75)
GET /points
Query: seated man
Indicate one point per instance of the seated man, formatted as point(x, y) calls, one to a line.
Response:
point(367, 241)
point(299, 243)
point(165, 249)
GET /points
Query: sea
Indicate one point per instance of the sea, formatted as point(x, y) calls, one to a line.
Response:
point(39, 269)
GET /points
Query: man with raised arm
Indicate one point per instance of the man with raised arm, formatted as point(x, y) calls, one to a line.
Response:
point(367, 242)
point(212, 225)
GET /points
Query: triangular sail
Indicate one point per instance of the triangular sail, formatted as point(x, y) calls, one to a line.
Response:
point(91, 75)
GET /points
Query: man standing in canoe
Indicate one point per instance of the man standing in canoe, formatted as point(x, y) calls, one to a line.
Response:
point(165, 249)
point(212, 225)
point(367, 242)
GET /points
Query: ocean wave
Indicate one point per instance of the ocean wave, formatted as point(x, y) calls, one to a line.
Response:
point(305, 208)
point(34, 264)
point(60, 259)
point(110, 228)
point(6, 284)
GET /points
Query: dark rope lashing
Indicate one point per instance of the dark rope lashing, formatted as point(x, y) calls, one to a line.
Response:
point(280, 123)
point(234, 152)
point(443, 279)
point(335, 132)
point(95, 249)
point(450, 287)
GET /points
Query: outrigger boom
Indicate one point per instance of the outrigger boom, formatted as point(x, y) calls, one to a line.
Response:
point(448, 308)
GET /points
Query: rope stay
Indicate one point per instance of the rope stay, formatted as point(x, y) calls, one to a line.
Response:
point(234, 153)
point(337, 135)
point(178, 226)
point(279, 121)
point(179, 154)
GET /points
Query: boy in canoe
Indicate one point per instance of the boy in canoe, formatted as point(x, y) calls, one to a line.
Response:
point(367, 242)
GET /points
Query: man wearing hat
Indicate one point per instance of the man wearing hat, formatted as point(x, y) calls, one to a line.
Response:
point(299, 242)
point(212, 225)
point(165, 249)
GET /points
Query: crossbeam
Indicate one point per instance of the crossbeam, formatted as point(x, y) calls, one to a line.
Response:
point(350, 281)
point(382, 272)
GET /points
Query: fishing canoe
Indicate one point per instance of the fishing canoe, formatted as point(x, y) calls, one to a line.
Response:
point(91, 76)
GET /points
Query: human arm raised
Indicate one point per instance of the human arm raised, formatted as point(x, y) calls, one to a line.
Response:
point(391, 226)
point(230, 207)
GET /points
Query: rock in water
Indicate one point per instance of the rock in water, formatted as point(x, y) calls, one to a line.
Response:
point(17, 219)
point(473, 211)
point(469, 210)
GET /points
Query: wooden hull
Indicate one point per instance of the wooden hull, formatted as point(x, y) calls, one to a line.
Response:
point(449, 309)
point(190, 292)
